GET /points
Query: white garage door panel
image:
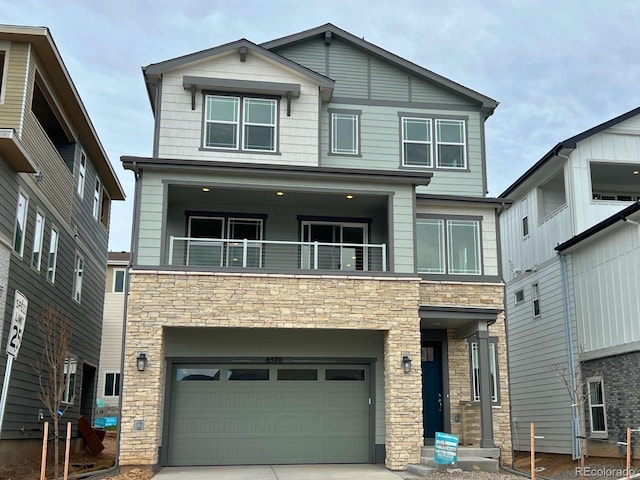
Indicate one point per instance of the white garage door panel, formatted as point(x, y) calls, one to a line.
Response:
point(225, 422)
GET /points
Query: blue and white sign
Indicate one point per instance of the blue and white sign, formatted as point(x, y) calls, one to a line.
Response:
point(446, 449)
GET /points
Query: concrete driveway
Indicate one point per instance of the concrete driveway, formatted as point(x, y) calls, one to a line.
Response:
point(279, 472)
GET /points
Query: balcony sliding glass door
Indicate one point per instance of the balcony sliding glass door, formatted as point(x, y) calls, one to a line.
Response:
point(344, 255)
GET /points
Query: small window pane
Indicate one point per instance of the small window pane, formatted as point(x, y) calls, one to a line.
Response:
point(197, 374)
point(260, 111)
point(222, 135)
point(418, 154)
point(259, 138)
point(450, 131)
point(248, 374)
point(21, 224)
point(597, 414)
point(464, 244)
point(428, 354)
point(519, 296)
point(53, 252)
point(222, 109)
point(297, 374)
point(416, 129)
point(37, 242)
point(451, 156)
point(354, 375)
point(118, 286)
point(430, 235)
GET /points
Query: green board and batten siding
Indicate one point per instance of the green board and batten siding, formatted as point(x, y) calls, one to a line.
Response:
point(381, 90)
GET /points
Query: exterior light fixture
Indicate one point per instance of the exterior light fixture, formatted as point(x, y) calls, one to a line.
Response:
point(406, 363)
point(205, 189)
point(141, 361)
point(280, 194)
point(349, 197)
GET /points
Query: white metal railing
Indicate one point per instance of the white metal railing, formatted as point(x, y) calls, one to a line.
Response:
point(270, 254)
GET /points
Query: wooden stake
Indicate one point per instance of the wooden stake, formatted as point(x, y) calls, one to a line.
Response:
point(533, 452)
point(628, 453)
point(66, 452)
point(45, 442)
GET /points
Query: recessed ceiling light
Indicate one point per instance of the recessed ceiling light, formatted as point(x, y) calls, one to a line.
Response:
point(349, 197)
point(205, 189)
point(636, 172)
point(280, 194)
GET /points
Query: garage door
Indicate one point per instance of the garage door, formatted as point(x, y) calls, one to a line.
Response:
point(268, 414)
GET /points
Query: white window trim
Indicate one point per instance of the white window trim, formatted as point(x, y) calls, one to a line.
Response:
point(21, 193)
point(124, 280)
point(356, 134)
point(463, 144)
point(38, 240)
point(240, 124)
point(78, 274)
point(115, 382)
point(70, 367)
point(597, 433)
point(53, 249)
point(6, 48)
point(429, 142)
point(97, 198)
point(535, 299)
point(446, 261)
point(246, 123)
point(82, 174)
point(493, 367)
point(524, 219)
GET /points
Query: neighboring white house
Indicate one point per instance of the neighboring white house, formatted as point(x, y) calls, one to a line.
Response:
point(109, 378)
point(574, 307)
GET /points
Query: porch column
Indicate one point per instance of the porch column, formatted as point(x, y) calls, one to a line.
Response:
point(484, 380)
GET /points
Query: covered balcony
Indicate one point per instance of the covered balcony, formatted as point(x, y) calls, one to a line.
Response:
point(210, 227)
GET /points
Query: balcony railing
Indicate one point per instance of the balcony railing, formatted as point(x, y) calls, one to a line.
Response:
point(277, 255)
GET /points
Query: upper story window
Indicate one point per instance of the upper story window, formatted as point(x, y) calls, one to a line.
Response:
point(53, 256)
point(96, 199)
point(82, 172)
point(344, 132)
point(77, 277)
point(3, 74)
point(524, 215)
point(38, 236)
point(429, 143)
point(119, 279)
point(535, 296)
point(448, 246)
point(240, 123)
point(21, 223)
point(68, 393)
point(518, 296)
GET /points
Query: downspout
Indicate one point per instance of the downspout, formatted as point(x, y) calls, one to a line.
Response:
point(575, 418)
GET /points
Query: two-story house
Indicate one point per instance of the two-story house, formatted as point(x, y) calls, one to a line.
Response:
point(56, 187)
point(570, 246)
point(314, 274)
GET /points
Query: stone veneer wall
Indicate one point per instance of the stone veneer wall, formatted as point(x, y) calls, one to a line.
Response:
point(488, 295)
point(243, 300)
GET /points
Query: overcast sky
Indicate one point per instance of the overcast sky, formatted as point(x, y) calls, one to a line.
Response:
point(556, 67)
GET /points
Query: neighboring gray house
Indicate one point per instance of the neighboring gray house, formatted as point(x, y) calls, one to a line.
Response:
point(315, 275)
point(56, 187)
point(571, 250)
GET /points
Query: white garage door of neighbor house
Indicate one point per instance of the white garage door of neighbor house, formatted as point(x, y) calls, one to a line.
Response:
point(268, 414)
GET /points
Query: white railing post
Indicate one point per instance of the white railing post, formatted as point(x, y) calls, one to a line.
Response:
point(244, 253)
point(315, 255)
point(171, 250)
point(383, 247)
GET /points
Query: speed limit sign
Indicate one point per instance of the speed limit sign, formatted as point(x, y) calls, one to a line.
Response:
point(16, 329)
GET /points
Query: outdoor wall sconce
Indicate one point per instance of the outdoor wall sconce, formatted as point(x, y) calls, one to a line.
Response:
point(406, 363)
point(141, 361)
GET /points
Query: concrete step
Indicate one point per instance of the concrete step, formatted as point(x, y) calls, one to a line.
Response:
point(466, 452)
point(420, 470)
point(466, 463)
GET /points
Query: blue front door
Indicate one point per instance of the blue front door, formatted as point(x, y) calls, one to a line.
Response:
point(432, 394)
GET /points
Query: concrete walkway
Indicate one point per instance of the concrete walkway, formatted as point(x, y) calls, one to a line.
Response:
point(279, 472)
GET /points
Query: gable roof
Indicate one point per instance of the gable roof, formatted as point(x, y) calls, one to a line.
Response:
point(488, 104)
point(49, 57)
point(568, 144)
point(152, 71)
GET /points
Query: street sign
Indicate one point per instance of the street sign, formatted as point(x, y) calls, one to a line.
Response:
point(16, 329)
